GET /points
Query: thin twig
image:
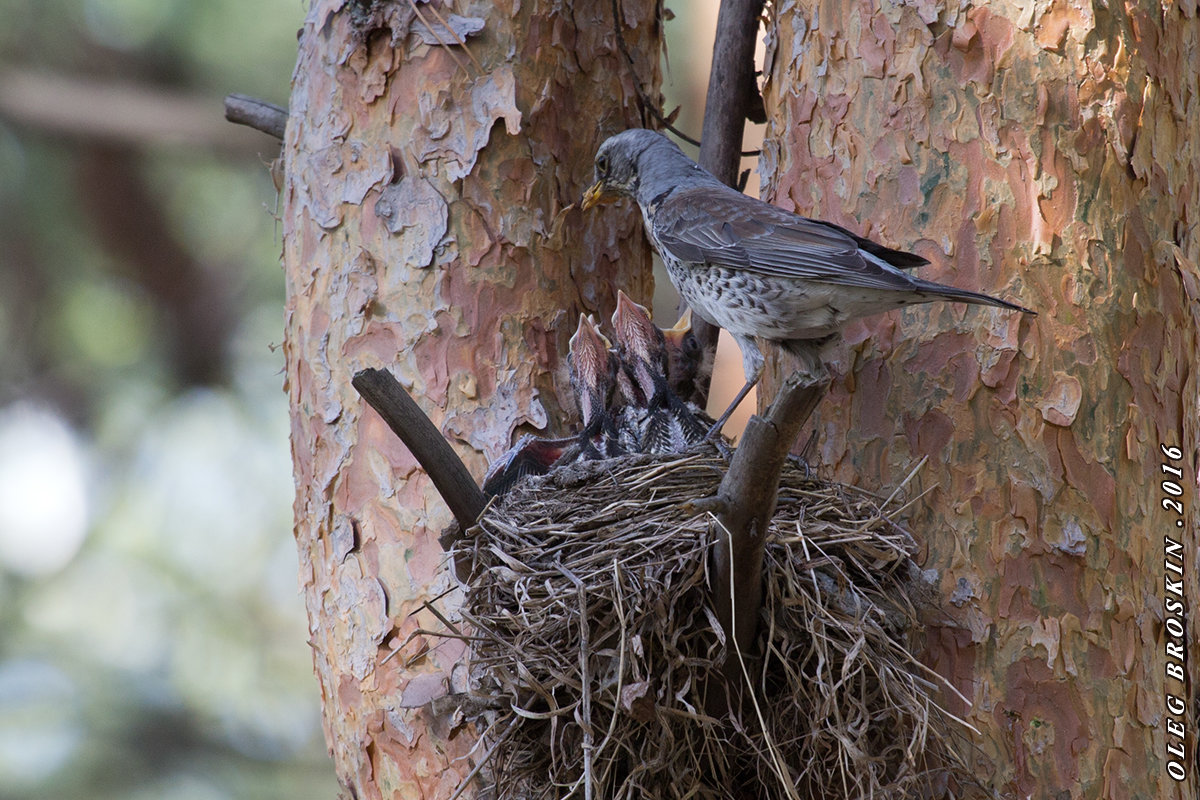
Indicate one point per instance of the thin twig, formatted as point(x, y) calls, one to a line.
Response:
point(458, 39)
point(444, 44)
point(911, 473)
point(267, 117)
point(478, 766)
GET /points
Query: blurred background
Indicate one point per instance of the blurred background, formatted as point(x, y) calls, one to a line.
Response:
point(152, 634)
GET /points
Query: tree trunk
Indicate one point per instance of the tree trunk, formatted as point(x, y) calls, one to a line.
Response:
point(426, 229)
point(1047, 153)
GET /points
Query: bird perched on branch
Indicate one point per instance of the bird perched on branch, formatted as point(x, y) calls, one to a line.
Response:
point(755, 269)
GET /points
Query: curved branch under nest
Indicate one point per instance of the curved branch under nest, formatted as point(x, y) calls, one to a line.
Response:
point(594, 644)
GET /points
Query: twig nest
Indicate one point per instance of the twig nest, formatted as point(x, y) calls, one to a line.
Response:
point(598, 650)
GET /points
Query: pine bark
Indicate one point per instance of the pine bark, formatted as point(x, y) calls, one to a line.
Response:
point(428, 228)
point(1045, 152)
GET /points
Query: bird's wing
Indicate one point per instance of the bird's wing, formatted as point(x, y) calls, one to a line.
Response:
point(897, 258)
point(531, 455)
point(725, 229)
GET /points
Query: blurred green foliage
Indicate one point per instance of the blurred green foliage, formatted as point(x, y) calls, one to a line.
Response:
point(152, 634)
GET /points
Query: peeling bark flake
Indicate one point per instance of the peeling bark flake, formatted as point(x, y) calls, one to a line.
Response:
point(425, 231)
point(1044, 151)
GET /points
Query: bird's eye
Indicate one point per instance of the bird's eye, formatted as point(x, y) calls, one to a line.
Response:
point(602, 165)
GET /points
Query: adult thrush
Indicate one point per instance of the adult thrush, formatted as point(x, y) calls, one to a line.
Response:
point(753, 268)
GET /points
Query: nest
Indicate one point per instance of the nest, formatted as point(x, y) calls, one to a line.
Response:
point(597, 652)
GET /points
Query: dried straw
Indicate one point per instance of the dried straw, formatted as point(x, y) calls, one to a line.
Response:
point(596, 648)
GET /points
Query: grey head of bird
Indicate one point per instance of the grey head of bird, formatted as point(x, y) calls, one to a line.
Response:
point(642, 164)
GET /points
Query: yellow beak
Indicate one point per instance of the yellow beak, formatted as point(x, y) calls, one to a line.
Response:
point(597, 194)
point(681, 328)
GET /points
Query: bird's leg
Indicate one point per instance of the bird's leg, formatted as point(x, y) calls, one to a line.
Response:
point(752, 365)
point(801, 459)
point(715, 430)
point(808, 383)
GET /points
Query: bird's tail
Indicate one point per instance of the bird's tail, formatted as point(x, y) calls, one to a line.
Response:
point(938, 291)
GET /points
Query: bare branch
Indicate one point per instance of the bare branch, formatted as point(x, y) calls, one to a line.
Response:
point(384, 393)
point(746, 502)
point(267, 117)
point(117, 111)
point(731, 88)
